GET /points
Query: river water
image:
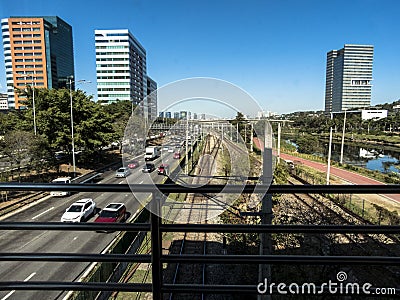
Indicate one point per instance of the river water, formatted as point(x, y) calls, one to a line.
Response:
point(369, 157)
point(373, 158)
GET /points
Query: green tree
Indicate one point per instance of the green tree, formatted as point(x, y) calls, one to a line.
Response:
point(119, 113)
point(308, 144)
point(17, 147)
point(92, 127)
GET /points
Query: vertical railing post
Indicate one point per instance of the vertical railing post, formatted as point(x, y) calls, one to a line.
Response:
point(266, 208)
point(156, 266)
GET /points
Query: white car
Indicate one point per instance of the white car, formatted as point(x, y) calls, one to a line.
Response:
point(79, 211)
point(123, 172)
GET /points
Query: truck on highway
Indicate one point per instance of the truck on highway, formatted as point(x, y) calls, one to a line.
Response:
point(61, 180)
point(152, 153)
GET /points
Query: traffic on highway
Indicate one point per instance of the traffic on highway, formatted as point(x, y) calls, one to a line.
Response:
point(77, 207)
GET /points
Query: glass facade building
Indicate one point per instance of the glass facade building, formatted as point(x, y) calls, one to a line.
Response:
point(151, 98)
point(348, 78)
point(38, 51)
point(120, 67)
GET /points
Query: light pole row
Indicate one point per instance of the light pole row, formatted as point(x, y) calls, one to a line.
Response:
point(72, 119)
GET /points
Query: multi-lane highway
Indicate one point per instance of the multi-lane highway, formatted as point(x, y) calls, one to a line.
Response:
point(51, 210)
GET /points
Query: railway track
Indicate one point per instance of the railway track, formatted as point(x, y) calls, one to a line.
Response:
point(196, 242)
point(330, 212)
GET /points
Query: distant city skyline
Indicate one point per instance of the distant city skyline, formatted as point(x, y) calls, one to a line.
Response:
point(274, 50)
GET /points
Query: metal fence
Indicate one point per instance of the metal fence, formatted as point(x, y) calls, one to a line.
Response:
point(156, 227)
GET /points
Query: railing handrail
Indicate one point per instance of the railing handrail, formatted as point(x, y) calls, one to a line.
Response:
point(156, 228)
point(216, 188)
point(222, 228)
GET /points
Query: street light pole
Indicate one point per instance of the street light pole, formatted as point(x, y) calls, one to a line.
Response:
point(33, 106)
point(344, 129)
point(72, 121)
point(33, 100)
point(72, 127)
point(328, 171)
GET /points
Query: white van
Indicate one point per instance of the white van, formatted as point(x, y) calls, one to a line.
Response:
point(61, 180)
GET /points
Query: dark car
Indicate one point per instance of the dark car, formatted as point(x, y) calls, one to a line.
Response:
point(148, 168)
point(163, 169)
point(133, 164)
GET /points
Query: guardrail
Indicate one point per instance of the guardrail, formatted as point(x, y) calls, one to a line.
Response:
point(156, 227)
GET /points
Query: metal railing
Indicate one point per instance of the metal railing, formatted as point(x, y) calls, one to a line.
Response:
point(156, 227)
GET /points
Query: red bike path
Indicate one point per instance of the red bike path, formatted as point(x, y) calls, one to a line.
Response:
point(351, 177)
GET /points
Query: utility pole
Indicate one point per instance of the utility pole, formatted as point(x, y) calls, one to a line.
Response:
point(251, 138)
point(237, 132)
point(344, 130)
point(279, 142)
point(266, 209)
point(245, 135)
point(328, 171)
point(222, 139)
point(186, 144)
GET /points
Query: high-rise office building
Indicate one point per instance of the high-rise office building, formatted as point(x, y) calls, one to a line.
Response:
point(120, 66)
point(38, 51)
point(151, 98)
point(348, 78)
point(3, 101)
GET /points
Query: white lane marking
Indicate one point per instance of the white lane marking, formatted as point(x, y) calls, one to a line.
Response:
point(13, 291)
point(46, 211)
point(25, 207)
point(121, 182)
point(30, 276)
point(141, 182)
point(75, 238)
point(34, 239)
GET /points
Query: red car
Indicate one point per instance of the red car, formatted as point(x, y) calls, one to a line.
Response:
point(133, 164)
point(163, 169)
point(112, 213)
point(177, 155)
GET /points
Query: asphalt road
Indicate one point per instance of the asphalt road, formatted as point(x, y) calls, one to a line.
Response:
point(51, 210)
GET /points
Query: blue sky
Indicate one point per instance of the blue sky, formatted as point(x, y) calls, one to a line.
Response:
point(274, 50)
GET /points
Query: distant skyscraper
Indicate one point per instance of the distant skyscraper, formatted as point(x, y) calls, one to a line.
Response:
point(183, 114)
point(348, 78)
point(3, 101)
point(151, 98)
point(120, 66)
point(38, 49)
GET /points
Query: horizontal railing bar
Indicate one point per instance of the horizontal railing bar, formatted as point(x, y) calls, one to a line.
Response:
point(252, 289)
point(75, 257)
point(280, 259)
point(222, 228)
point(217, 188)
point(252, 228)
point(145, 287)
point(209, 288)
point(210, 259)
point(74, 226)
point(74, 286)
